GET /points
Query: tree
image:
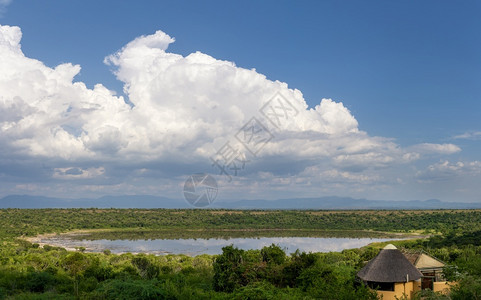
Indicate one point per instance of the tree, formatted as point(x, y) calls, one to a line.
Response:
point(146, 269)
point(75, 263)
point(228, 269)
point(273, 255)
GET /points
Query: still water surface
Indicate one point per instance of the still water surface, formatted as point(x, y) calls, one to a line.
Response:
point(199, 246)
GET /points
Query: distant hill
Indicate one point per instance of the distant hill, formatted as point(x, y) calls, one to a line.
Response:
point(344, 203)
point(127, 201)
point(146, 201)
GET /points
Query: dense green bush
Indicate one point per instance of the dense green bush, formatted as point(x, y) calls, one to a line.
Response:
point(249, 275)
point(116, 289)
point(29, 222)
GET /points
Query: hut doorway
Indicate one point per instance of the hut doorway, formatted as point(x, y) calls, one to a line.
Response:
point(427, 281)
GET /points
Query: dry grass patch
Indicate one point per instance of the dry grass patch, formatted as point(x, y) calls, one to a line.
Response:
point(226, 212)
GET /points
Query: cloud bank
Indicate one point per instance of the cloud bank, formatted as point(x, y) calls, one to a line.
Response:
point(180, 112)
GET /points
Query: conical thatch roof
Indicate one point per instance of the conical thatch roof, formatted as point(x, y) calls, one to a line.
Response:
point(390, 265)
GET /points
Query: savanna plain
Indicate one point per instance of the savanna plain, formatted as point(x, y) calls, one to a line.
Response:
point(29, 270)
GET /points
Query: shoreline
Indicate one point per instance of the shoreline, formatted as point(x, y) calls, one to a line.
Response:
point(62, 239)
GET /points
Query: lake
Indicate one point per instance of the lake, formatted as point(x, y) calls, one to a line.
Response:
point(211, 245)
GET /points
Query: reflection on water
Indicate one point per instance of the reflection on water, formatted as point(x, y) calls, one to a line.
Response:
point(209, 246)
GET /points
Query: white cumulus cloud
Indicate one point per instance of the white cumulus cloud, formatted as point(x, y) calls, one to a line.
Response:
point(446, 170)
point(181, 110)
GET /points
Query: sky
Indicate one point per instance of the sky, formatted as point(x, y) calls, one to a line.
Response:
point(274, 99)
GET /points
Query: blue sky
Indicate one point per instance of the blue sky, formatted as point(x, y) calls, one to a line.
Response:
point(407, 71)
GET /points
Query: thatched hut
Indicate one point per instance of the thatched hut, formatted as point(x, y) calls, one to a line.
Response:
point(431, 268)
point(391, 274)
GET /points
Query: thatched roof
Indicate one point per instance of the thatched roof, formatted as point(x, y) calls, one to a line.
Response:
point(390, 265)
point(422, 260)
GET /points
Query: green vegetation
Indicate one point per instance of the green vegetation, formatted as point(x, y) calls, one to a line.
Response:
point(28, 271)
point(29, 222)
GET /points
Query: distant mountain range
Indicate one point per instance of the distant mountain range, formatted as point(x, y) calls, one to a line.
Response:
point(344, 203)
point(143, 201)
point(128, 201)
